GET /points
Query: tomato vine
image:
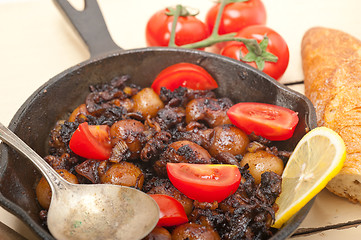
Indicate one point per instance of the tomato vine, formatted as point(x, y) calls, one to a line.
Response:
point(214, 37)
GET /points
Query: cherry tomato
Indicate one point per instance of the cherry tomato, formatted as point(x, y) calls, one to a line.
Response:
point(189, 29)
point(276, 45)
point(235, 17)
point(171, 211)
point(184, 75)
point(273, 122)
point(91, 141)
point(204, 182)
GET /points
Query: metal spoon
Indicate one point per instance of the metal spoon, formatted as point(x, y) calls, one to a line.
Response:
point(90, 211)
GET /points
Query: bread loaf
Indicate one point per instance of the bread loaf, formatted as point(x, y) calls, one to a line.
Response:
point(331, 62)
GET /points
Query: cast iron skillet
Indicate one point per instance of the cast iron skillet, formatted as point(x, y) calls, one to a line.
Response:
point(61, 94)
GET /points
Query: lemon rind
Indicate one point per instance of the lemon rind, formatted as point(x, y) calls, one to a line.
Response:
point(334, 169)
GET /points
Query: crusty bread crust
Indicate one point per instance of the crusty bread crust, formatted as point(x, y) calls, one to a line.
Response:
point(331, 62)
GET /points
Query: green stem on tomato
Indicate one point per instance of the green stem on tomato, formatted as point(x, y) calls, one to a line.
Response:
point(214, 37)
point(252, 43)
point(222, 5)
point(218, 18)
point(176, 15)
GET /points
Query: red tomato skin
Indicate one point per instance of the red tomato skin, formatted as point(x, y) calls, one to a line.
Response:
point(235, 17)
point(269, 121)
point(91, 141)
point(189, 29)
point(184, 75)
point(188, 179)
point(276, 45)
point(171, 211)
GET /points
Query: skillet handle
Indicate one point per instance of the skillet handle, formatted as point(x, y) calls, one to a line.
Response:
point(90, 25)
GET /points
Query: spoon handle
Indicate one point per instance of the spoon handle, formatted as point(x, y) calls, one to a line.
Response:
point(14, 141)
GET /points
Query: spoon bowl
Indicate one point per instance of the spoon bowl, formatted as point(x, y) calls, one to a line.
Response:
point(90, 211)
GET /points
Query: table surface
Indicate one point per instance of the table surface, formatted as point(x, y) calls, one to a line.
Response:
point(36, 43)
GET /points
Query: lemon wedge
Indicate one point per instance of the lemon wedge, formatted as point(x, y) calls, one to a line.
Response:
point(317, 158)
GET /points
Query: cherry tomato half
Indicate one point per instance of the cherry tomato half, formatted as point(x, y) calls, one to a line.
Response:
point(184, 75)
point(204, 182)
point(276, 45)
point(171, 211)
point(269, 121)
point(235, 17)
point(189, 29)
point(91, 141)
